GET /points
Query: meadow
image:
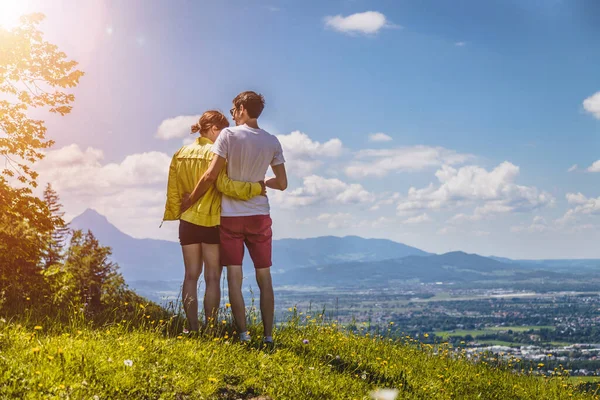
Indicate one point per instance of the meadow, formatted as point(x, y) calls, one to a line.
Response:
point(312, 359)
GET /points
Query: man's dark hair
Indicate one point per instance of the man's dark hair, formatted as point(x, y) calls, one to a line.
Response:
point(253, 102)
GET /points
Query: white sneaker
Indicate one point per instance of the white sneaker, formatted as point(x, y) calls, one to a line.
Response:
point(245, 337)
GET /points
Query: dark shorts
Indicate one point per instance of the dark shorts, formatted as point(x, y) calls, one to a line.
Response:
point(194, 234)
point(254, 231)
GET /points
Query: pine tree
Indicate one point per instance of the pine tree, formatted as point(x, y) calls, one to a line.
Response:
point(95, 276)
point(56, 240)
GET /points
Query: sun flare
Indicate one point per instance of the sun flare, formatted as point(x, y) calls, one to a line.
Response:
point(11, 11)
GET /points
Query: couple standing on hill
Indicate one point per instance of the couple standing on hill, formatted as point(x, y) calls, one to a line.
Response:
point(213, 229)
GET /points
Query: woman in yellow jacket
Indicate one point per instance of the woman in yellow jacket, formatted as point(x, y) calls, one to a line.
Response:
point(198, 225)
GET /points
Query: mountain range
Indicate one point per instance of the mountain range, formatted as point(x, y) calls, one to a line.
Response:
point(152, 259)
point(331, 261)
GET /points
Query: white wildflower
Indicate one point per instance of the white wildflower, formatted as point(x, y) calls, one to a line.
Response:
point(384, 394)
point(128, 363)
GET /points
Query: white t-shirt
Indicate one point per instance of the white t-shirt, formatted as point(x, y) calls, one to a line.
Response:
point(248, 152)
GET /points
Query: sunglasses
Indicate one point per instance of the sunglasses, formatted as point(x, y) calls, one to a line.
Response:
point(232, 111)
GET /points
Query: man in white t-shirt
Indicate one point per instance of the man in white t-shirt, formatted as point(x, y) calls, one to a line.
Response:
point(248, 151)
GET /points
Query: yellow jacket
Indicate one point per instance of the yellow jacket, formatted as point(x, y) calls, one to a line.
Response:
point(187, 167)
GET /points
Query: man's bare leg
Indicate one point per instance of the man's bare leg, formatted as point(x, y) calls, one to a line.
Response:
point(236, 298)
point(267, 299)
point(192, 258)
point(212, 276)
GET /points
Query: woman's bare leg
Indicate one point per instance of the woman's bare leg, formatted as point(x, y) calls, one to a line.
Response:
point(212, 276)
point(192, 258)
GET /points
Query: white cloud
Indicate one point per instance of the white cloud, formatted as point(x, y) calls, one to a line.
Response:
point(385, 199)
point(368, 23)
point(380, 137)
point(492, 192)
point(453, 230)
point(379, 163)
point(304, 155)
point(460, 44)
point(419, 219)
point(573, 168)
point(335, 221)
point(592, 105)
point(73, 170)
point(538, 225)
point(595, 167)
point(585, 207)
point(131, 193)
point(317, 189)
point(177, 127)
point(346, 220)
point(576, 198)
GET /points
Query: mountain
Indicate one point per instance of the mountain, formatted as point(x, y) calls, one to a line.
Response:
point(139, 259)
point(294, 253)
point(563, 265)
point(456, 267)
point(152, 260)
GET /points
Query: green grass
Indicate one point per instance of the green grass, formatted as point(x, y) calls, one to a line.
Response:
point(585, 378)
point(78, 362)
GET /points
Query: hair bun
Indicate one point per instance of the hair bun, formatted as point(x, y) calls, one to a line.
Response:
point(195, 128)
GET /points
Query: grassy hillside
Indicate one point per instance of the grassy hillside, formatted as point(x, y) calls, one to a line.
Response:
point(311, 360)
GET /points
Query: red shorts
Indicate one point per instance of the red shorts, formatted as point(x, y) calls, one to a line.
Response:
point(254, 231)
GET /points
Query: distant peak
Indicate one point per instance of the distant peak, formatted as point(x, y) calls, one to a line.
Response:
point(91, 213)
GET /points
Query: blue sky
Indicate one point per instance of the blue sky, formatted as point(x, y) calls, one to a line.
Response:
point(483, 103)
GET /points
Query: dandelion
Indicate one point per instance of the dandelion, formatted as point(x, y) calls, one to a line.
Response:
point(384, 394)
point(142, 306)
point(61, 386)
point(212, 380)
point(35, 350)
point(426, 335)
point(50, 358)
point(179, 337)
point(142, 348)
point(224, 322)
point(227, 305)
point(37, 327)
point(128, 363)
point(305, 341)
